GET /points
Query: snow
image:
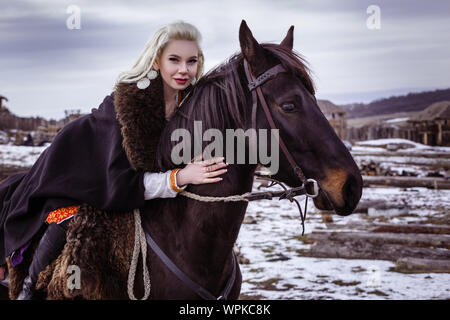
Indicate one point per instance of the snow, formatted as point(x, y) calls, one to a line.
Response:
point(417, 159)
point(277, 268)
point(396, 120)
point(379, 145)
point(278, 229)
point(277, 234)
point(403, 160)
point(19, 156)
point(312, 278)
point(380, 142)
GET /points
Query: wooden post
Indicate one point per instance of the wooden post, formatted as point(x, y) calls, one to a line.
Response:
point(425, 138)
point(417, 265)
point(439, 133)
point(406, 182)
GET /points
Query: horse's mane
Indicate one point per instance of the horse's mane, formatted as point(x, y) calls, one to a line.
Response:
point(219, 97)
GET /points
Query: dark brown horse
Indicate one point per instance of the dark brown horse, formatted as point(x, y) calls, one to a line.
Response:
point(199, 236)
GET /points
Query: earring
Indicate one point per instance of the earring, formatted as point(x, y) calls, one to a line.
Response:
point(145, 82)
point(194, 80)
point(152, 74)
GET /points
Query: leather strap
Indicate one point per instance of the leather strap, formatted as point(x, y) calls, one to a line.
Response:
point(269, 74)
point(254, 97)
point(286, 152)
point(255, 84)
point(203, 293)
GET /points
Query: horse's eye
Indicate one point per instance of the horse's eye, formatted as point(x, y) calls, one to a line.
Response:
point(288, 107)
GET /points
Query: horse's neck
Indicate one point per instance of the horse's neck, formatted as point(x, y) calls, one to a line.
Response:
point(201, 233)
point(220, 221)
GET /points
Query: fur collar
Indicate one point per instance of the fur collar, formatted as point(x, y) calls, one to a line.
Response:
point(141, 114)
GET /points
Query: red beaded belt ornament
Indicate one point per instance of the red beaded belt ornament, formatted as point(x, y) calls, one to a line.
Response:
point(61, 214)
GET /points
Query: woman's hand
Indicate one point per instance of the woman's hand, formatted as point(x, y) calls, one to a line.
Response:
point(199, 172)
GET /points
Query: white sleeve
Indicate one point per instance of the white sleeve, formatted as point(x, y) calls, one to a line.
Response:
point(157, 185)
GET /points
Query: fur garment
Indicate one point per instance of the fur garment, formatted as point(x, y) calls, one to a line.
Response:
point(141, 114)
point(100, 242)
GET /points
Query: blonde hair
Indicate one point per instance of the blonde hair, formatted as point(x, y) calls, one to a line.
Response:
point(155, 46)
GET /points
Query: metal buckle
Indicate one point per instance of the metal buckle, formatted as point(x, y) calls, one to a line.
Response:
point(315, 188)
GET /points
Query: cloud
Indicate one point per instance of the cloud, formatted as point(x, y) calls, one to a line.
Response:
point(46, 68)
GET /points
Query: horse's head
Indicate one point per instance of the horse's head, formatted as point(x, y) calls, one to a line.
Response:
point(308, 136)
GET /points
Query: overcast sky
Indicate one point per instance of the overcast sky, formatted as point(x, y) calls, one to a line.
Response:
point(46, 68)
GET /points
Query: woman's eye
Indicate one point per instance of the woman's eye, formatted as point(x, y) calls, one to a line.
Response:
point(192, 61)
point(173, 59)
point(288, 107)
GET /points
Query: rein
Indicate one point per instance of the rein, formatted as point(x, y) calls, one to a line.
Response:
point(288, 194)
point(199, 290)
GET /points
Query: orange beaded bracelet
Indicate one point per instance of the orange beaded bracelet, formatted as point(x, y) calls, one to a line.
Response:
point(173, 182)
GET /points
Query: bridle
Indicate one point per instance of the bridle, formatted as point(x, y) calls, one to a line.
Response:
point(254, 85)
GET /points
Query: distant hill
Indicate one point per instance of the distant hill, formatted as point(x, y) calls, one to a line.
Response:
point(396, 104)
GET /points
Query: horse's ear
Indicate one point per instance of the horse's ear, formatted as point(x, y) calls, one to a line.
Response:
point(253, 52)
point(288, 41)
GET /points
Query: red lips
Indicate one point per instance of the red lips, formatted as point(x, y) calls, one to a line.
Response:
point(181, 81)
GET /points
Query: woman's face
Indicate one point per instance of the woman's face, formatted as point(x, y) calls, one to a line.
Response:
point(178, 64)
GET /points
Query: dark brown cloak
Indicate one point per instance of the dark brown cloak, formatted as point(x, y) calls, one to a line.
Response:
point(98, 159)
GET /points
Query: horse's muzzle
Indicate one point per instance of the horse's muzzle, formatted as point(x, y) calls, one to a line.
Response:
point(349, 197)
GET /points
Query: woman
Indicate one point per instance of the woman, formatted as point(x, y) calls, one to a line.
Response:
point(107, 159)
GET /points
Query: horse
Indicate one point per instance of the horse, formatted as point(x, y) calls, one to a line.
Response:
point(198, 237)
